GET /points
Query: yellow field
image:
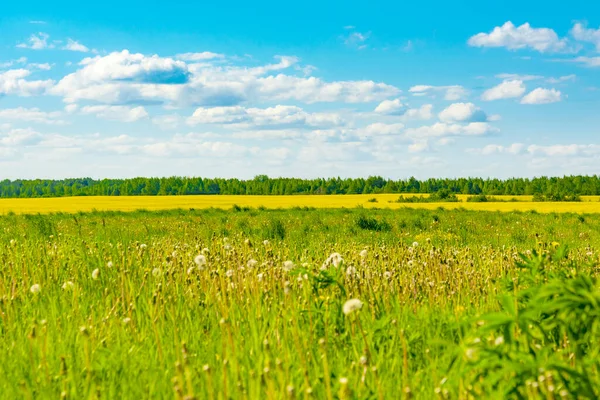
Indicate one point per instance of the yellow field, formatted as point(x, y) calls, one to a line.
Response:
point(590, 204)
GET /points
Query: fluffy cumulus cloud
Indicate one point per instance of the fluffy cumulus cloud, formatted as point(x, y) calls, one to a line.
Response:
point(73, 45)
point(391, 107)
point(123, 77)
point(505, 90)
point(452, 93)
point(542, 96)
point(585, 34)
point(15, 82)
point(278, 117)
point(32, 115)
point(520, 37)
point(37, 41)
point(462, 112)
point(442, 129)
point(116, 113)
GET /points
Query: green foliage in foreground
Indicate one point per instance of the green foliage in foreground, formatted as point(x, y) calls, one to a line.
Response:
point(250, 304)
point(559, 188)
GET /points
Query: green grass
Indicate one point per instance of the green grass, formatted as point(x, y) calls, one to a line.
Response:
point(154, 324)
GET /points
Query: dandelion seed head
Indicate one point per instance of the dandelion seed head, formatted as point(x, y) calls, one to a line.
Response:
point(499, 340)
point(229, 273)
point(68, 285)
point(351, 271)
point(251, 263)
point(364, 253)
point(35, 288)
point(288, 265)
point(95, 274)
point(109, 264)
point(351, 306)
point(126, 320)
point(156, 272)
point(200, 260)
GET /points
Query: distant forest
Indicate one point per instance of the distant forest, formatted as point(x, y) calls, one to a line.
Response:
point(263, 185)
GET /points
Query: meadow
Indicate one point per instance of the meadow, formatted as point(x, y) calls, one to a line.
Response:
point(299, 303)
point(588, 204)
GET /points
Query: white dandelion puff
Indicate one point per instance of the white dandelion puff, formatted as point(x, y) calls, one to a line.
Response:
point(35, 288)
point(252, 263)
point(288, 266)
point(260, 276)
point(499, 340)
point(68, 285)
point(352, 305)
point(190, 270)
point(109, 264)
point(200, 260)
point(364, 253)
point(351, 271)
point(415, 244)
point(229, 273)
point(143, 246)
point(266, 242)
point(95, 274)
point(126, 320)
point(387, 274)
point(156, 272)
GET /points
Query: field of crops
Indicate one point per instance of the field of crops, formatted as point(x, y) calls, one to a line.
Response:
point(589, 204)
point(302, 303)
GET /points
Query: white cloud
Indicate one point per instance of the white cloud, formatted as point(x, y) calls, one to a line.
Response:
point(379, 129)
point(561, 79)
point(573, 150)
point(13, 82)
point(37, 42)
point(125, 78)
point(42, 66)
point(542, 96)
point(8, 64)
point(418, 147)
point(584, 34)
point(19, 137)
point(278, 117)
point(519, 77)
point(521, 37)
point(167, 122)
point(515, 148)
point(452, 93)
point(203, 56)
point(441, 129)
point(357, 39)
point(116, 113)
point(73, 45)
point(391, 107)
point(422, 113)
point(32, 115)
point(592, 62)
point(505, 90)
point(462, 112)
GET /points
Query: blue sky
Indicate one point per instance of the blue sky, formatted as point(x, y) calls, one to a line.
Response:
point(121, 89)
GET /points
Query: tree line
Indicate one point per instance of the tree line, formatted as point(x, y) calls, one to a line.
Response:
point(263, 185)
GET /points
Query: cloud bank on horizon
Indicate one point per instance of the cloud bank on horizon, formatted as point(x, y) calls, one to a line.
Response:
point(512, 99)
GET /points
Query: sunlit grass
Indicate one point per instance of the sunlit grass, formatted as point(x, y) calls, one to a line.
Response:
point(250, 304)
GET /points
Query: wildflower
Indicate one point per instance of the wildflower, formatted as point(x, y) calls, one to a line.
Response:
point(156, 272)
point(260, 276)
point(499, 340)
point(334, 259)
point(35, 289)
point(109, 264)
point(252, 263)
point(288, 265)
point(343, 380)
point(387, 274)
point(229, 273)
point(364, 253)
point(266, 242)
point(415, 244)
point(200, 260)
point(470, 353)
point(143, 246)
point(190, 270)
point(126, 320)
point(174, 254)
point(227, 247)
point(350, 271)
point(68, 285)
point(205, 251)
point(95, 274)
point(352, 305)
